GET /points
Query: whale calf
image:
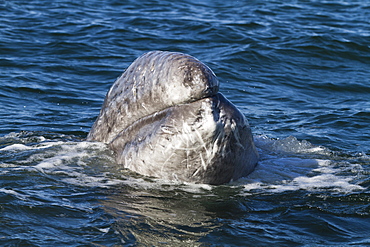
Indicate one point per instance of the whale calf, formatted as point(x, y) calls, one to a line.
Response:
point(164, 117)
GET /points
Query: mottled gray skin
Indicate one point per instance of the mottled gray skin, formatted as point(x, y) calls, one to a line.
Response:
point(153, 82)
point(165, 118)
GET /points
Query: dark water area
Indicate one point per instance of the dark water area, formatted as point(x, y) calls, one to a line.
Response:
point(298, 70)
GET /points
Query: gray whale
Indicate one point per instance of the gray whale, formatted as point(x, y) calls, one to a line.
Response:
point(164, 117)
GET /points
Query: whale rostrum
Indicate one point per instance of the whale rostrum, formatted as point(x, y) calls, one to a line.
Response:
point(164, 117)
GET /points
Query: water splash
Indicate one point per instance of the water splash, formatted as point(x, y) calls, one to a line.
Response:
point(285, 165)
point(289, 164)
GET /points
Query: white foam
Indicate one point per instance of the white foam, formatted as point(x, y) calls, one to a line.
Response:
point(84, 180)
point(71, 161)
point(320, 182)
point(22, 136)
point(288, 145)
point(15, 147)
point(278, 173)
point(285, 165)
point(66, 155)
point(21, 147)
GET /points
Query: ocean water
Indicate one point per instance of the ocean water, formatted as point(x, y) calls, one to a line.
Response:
point(298, 70)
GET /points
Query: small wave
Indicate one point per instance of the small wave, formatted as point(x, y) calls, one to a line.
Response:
point(13, 193)
point(15, 147)
point(21, 147)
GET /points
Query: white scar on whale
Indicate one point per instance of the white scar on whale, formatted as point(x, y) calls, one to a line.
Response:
point(164, 118)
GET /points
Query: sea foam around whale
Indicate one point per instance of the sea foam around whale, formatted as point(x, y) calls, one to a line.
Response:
point(285, 165)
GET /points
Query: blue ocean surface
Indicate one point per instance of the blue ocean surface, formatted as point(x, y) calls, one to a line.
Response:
point(298, 70)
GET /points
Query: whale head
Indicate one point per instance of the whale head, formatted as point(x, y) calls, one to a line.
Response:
point(164, 117)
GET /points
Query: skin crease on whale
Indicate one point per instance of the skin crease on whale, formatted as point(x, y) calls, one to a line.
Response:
point(164, 118)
